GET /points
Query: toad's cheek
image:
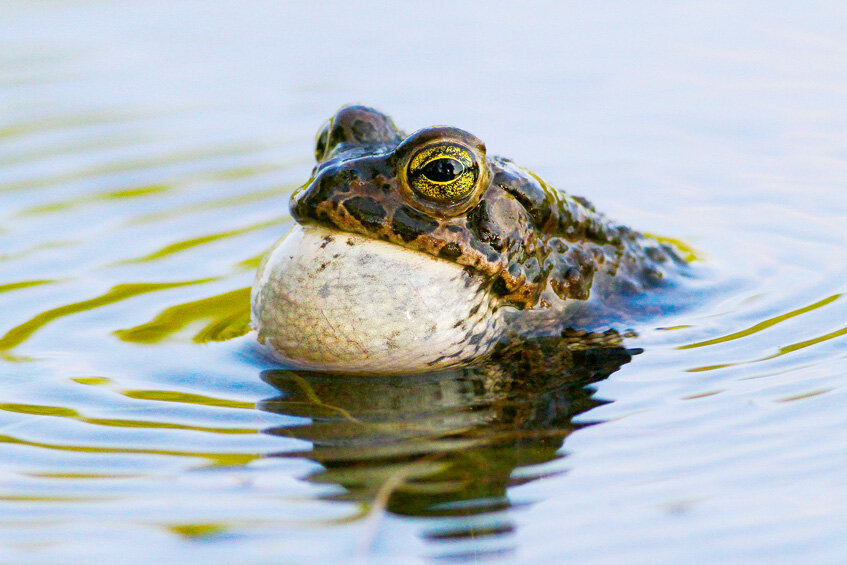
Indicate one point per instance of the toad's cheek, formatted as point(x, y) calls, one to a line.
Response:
point(340, 302)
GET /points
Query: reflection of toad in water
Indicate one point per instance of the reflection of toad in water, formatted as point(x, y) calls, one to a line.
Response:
point(446, 444)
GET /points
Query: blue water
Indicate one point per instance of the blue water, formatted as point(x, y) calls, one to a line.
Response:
point(147, 151)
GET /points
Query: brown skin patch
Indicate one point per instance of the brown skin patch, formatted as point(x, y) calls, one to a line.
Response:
point(521, 235)
point(366, 210)
point(450, 251)
point(410, 223)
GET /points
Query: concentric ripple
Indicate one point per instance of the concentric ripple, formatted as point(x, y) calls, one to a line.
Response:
point(147, 154)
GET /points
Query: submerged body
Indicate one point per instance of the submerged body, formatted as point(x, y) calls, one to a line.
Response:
point(418, 253)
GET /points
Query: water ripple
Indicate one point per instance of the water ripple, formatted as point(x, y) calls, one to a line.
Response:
point(147, 153)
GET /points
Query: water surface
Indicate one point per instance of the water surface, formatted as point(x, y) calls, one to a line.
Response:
point(147, 151)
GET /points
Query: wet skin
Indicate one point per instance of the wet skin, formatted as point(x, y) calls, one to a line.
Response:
point(518, 232)
point(432, 204)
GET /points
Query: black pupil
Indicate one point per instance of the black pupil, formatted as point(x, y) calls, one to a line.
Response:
point(442, 170)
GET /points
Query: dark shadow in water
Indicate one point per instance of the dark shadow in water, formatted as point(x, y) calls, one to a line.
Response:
point(445, 445)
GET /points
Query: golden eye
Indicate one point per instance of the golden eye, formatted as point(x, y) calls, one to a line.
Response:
point(444, 172)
